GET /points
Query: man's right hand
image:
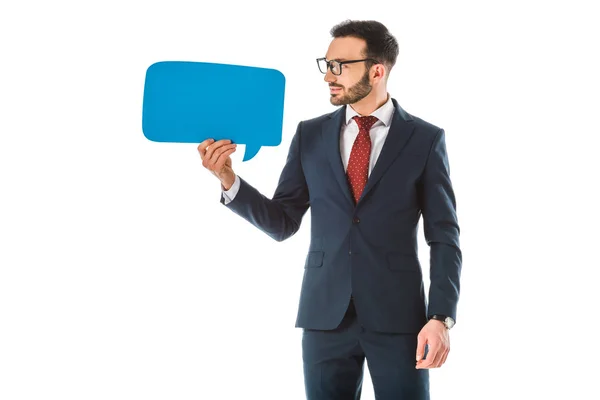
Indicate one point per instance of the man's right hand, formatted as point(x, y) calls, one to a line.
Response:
point(215, 158)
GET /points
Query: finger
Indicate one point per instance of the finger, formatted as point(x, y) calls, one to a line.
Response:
point(202, 146)
point(445, 350)
point(443, 353)
point(421, 341)
point(445, 357)
point(223, 158)
point(431, 356)
point(215, 146)
point(218, 152)
point(212, 155)
point(437, 362)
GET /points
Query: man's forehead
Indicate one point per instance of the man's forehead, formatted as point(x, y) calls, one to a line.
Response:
point(343, 49)
point(337, 56)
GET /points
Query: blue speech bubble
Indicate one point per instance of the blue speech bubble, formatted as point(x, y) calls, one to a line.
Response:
point(189, 102)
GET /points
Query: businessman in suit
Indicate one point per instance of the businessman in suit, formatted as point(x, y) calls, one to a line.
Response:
point(368, 171)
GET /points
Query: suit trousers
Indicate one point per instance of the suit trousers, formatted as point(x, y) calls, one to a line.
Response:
point(333, 363)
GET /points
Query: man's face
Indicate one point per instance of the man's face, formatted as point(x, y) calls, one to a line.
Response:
point(353, 84)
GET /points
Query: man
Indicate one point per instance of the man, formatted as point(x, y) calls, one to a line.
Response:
point(368, 171)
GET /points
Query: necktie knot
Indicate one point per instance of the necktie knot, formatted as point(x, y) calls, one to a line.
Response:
point(365, 123)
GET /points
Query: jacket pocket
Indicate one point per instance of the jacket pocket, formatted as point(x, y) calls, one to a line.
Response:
point(403, 262)
point(314, 259)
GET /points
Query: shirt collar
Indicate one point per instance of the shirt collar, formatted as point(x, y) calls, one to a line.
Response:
point(383, 113)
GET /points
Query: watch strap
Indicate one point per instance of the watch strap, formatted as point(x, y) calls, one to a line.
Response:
point(447, 321)
point(438, 317)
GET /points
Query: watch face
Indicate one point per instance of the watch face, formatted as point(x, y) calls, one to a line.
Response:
point(449, 322)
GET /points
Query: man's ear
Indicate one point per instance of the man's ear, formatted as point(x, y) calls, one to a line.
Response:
point(379, 71)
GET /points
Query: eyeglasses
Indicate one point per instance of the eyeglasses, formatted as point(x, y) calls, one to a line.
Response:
point(336, 66)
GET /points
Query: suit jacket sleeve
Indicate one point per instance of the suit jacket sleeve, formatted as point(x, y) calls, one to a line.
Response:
point(280, 216)
point(441, 230)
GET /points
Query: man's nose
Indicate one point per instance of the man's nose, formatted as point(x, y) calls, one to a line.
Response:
point(329, 76)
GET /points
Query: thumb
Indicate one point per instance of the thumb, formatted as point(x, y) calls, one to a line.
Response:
point(420, 347)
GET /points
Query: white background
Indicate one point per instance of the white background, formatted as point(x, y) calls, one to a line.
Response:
point(123, 277)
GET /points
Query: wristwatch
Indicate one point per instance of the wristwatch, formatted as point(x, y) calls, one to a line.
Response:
point(448, 321)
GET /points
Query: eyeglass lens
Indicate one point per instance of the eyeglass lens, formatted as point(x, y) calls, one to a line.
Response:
point(335, 66)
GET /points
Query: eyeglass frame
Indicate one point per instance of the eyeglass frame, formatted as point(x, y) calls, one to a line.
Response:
point(341, 63)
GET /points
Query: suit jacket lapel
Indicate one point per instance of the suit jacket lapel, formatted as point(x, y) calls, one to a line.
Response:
point(400, 131)
point(330, 133)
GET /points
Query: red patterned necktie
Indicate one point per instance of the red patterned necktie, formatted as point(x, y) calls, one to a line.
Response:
point(358, 164)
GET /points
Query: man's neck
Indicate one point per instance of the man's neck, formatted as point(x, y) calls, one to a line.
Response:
point(370, 103)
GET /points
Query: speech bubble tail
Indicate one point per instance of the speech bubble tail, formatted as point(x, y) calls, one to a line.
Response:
point(251, 151)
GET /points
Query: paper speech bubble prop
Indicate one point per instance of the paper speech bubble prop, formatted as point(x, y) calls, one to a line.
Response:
point(189, 102)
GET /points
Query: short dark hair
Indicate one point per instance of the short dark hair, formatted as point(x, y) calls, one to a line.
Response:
point(380, 43)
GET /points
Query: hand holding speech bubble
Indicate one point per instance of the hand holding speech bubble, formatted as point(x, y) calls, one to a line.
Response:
point(189, 102)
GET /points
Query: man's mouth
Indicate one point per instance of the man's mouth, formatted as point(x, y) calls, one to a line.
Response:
point(334, 89)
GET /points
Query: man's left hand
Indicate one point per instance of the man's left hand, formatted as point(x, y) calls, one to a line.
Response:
point(435, 334)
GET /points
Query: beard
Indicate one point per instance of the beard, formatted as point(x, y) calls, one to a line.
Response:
point(355, 93)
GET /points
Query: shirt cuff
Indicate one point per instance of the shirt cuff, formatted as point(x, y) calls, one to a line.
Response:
point(229, 195)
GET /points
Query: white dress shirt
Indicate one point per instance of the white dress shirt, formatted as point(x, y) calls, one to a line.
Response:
point(349, 132)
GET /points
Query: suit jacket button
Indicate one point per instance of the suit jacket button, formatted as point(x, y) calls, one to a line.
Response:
point(356, 220)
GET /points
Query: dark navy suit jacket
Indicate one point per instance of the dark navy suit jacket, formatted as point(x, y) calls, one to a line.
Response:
point(367, 250)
